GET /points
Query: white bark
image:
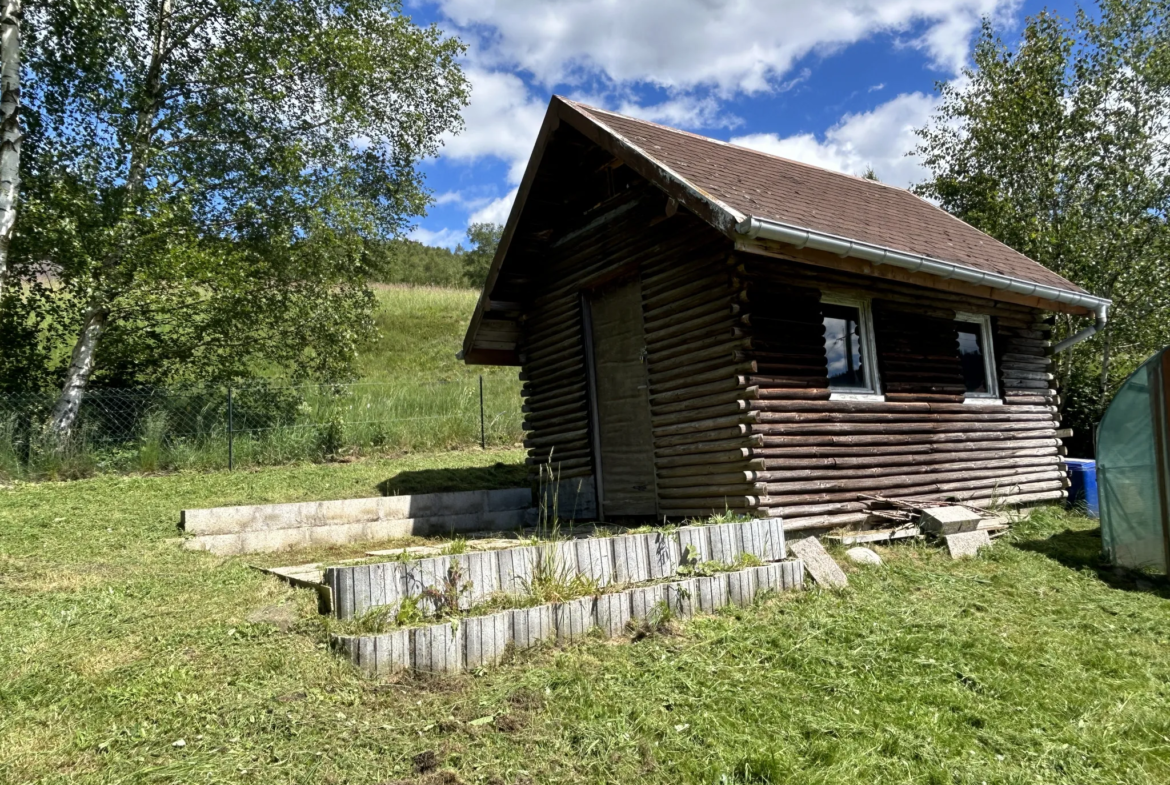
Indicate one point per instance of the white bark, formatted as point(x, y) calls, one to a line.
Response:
point(80, 368)
point(98, 315)
point(10, 133)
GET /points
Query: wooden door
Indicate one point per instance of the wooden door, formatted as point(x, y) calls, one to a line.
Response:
point(623, 442)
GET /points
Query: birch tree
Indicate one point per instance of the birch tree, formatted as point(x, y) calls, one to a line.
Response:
point(201, 176)
point(10, 18)
point(1059, 147)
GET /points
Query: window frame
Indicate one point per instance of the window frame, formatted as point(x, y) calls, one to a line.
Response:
point(992, 396)
point(868, 349)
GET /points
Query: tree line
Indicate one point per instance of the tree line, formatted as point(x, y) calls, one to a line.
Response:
point(404, 261)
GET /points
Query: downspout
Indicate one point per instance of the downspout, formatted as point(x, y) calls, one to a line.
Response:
point(1102, 314)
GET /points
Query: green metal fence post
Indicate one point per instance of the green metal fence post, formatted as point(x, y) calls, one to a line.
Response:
point(231, 431)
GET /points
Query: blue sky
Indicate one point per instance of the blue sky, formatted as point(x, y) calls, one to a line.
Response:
point(837, 83)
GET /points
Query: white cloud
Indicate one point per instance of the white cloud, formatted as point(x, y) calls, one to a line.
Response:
point(447, 238)
point(496, 211)
point(502, 121)
point(879, 138)
point(734, 46)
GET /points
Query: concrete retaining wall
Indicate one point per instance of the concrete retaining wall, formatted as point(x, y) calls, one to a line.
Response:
point(480, 641)
point(630, 558)
point(272, 527)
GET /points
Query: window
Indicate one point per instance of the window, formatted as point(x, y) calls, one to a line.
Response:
point(849, 350)
point(975, 355)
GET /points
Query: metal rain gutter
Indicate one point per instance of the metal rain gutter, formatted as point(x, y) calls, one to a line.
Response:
point(821, 241)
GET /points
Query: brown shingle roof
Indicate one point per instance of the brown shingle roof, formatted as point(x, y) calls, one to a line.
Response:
point(769, 187)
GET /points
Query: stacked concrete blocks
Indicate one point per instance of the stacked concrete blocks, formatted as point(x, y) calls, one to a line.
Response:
point(272, 527)
point(481, 641)
point(626, 559)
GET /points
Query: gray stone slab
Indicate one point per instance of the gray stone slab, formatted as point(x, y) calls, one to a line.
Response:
point(694, 544)
point(681, 598)
point(532, 626)
point(966, 545)
point(664, 554)
point(486, 639)
point(392, 651)
point(818, 562)
point(613, 613)
point(631, 558)
point(741, 587)
point(951, 519)
point(712, 592)
point(437, 648)
point(430, 573)
point(864, 556)
point(516, 567)
point(574, 619)
point(645, 600)
point(726, 542)
point(367, 656)
point(594, 559)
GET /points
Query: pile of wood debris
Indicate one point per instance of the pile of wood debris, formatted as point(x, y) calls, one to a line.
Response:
point(908, 517)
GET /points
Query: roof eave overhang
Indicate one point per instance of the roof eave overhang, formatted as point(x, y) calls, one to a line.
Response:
point(844, 247)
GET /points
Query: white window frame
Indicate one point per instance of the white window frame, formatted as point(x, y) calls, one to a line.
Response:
point(991, 397)
point(868, 349)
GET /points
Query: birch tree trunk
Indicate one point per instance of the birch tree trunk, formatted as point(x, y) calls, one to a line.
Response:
point(10, 134)
point(80, 367)
point(97, 315)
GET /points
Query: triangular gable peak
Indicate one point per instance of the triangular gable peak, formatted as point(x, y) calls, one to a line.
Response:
point(765, 205)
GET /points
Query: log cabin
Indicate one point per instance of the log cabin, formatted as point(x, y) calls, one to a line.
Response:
point(703, 327)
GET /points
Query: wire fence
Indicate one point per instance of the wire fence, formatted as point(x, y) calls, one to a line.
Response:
point(256, 423)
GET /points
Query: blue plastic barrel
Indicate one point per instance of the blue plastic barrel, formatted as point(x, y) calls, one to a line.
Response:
point(1082, 491)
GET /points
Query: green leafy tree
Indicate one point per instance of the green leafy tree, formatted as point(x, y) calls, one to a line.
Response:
point(200, 180)
point(410, 262)
point(485, 238)
point(1059, 149)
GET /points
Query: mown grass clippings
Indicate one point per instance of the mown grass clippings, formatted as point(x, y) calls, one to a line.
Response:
point(1033, 663)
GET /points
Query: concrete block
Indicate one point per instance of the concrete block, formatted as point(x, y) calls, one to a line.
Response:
point(681, 598)
point(794, 576)
point(712, 592)
point(508, 499)
point(342, 596)
point(644, 601)
point(503, 520)
point(347, 645)
point(559, 558)
point(952, 519)
point(531, 626)
point(764, 539)
point(694, 544)
point(486, 638)
point(726, 542)
point(664, 554)
point(481, 570)
point(437, 648)
point(767, 578)
point(574, 619)
point(613, 613)
point(573, 499)
point(741, 587)
point(965, 545)
point(392, 651)
point(426, 574)
point(819, 563)
point(516, 568)
point(631, 558)
point(594, 559)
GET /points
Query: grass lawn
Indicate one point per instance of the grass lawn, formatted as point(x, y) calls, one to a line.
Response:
point(1028, 665)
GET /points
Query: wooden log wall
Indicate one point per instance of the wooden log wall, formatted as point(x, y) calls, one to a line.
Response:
point(697, 390)
point(812, 456)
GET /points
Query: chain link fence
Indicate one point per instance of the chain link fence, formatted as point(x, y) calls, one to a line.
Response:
point(256, 423)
